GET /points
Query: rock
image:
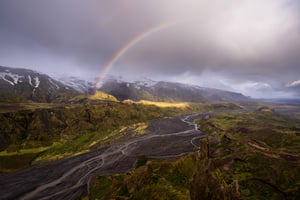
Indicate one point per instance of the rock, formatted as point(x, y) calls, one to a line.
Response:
point(208, 182)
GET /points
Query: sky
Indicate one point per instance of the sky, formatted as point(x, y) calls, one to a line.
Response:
point(247, 46)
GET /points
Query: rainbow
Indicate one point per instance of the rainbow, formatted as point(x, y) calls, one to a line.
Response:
point(126, 47)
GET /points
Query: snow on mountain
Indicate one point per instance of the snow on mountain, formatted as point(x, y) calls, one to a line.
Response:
point(43, 88)
point(37, 82)
point(30, 80)
point(15, 79)
point(167, 91)
point(82, 86)
point(11, 78)
point(31, 85)
point(145, 82)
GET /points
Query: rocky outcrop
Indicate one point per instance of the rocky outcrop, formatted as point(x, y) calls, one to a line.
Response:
point(208, 182)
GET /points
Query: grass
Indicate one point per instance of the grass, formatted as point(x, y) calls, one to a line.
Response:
point(99, 95)
point(165, 104)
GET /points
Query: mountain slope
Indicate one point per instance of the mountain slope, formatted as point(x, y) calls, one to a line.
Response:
point(18, 84)
point(167, 91)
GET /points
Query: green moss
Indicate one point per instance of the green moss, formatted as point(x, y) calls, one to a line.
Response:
point(155, 180)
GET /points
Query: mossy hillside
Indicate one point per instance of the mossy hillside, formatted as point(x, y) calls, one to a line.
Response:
point(260, 150)
point(34, 125)
point(208, 182)
point(75, 124)
point(34, 128)
point(153, 180)
point(71, 129)
point(84, 143)
point(97, 96)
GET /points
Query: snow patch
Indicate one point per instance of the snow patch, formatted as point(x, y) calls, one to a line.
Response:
point(37, 82)
point(137, 86)
point(15, 78)
point(77, 84)
point(30, 80)
point(144, 83)
point(294, 84)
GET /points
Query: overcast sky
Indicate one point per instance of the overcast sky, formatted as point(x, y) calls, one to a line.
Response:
point(249, 46)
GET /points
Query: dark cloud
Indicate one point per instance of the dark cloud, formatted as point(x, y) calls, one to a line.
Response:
point(250, 46)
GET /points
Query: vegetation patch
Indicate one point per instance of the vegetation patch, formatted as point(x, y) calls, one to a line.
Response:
point(151, 180)
point(83, 124)
point(11, 163)
point(259, 149)
point(165, 104)
point(99, 95)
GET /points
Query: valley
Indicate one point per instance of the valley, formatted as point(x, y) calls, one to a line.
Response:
point(169, 143)
point(259, 160)
point(69, 178)
point(150, 140)
point(149, 100)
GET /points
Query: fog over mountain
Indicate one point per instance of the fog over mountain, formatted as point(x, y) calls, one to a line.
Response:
point(248, 46)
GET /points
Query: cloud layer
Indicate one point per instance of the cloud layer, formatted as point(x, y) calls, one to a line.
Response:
point(251, 46)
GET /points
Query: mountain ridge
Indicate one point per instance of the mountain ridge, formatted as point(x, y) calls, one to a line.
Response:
point(19, 84)
point(167, 91)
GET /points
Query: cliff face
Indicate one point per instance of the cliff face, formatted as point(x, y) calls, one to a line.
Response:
point(207, 180)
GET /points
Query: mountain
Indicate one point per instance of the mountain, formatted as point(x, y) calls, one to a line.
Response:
point(17, 84)
point(167, 91)
point(82, 86)
point(295, 101)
